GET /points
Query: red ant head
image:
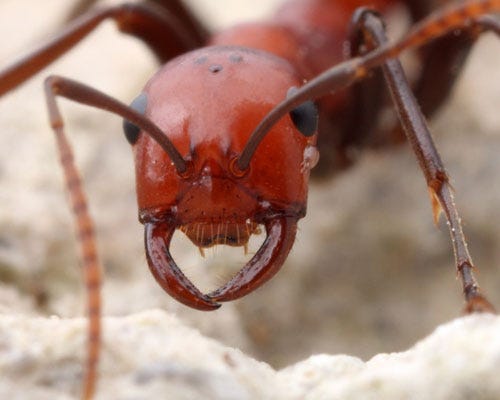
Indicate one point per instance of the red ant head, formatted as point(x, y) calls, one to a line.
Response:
point(208, 102)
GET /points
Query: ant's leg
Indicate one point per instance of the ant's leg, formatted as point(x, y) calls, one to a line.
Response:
point(367, 100)
point(344, 74)
point(175, 7)
point(442, 62)
point(368, 95)
point(160, 30)
point(441, 65)
point(183, 13)
point(418, 135)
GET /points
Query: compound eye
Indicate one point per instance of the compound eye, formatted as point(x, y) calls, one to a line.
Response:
point(132, 131)
point(305, 116)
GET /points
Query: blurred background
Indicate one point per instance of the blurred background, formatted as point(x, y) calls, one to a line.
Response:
point(369, 272)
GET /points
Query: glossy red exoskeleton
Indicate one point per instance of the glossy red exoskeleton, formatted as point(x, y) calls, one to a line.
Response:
point(225, 136)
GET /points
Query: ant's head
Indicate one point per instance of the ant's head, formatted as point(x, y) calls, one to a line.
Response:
point(207, 103)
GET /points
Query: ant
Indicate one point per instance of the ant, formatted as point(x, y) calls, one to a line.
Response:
point(260, 176)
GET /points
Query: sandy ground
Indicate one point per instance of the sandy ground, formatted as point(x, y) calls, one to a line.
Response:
point(369, 272)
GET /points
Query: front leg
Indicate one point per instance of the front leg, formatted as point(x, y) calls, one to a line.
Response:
point(417, 132)
point(166, 36)
point(174, 7)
